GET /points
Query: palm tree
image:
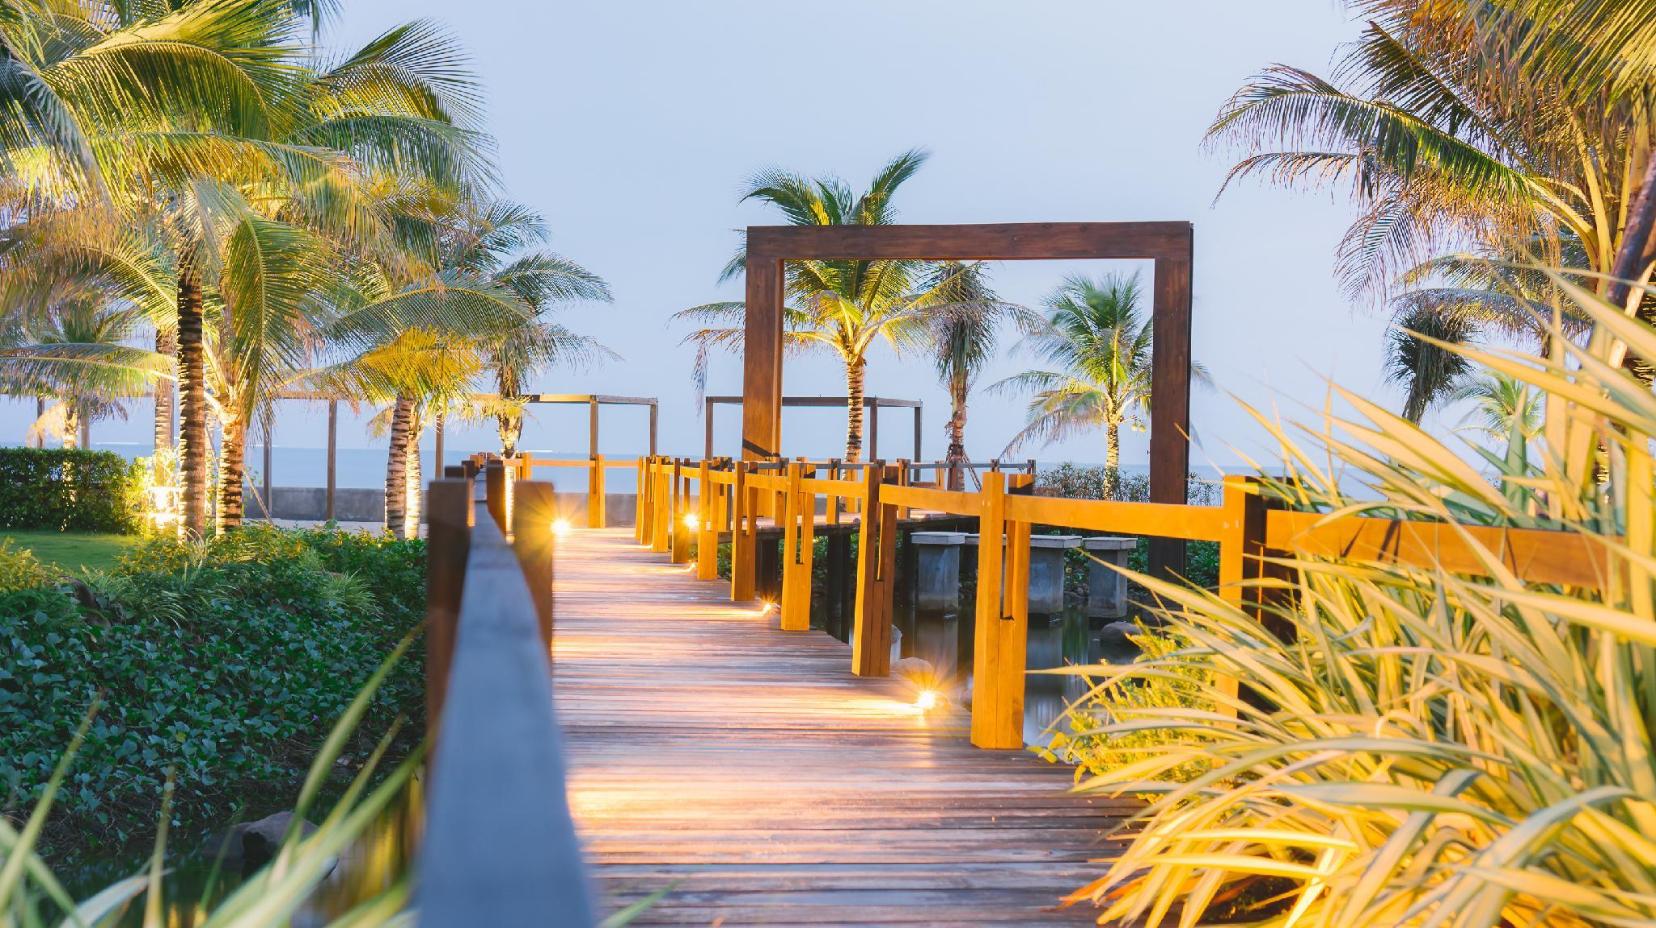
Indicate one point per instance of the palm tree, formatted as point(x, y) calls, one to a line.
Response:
point(1429, 373)
point(1458, 127)
point(1100, 344)
point(844, 306)
point(493, 244)
point(295, 154)
point(965, 326)
point(76, 322)
point(1505, 409)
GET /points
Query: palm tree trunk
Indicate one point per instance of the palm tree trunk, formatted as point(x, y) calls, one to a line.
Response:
point(71, 425)
point(414, 489)
point(396, 469)
point(166, 343)
point(192, 402)
point(232, 472)
point(86, 433)
point(854, 371)
point(1112, 460)
point(1632, 258)
point(510, 419)
point(956, 456)
point(40, 412)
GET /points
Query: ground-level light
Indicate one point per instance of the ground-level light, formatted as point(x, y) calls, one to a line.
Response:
point(691, 522)
point(560, 527)
point(926, 701)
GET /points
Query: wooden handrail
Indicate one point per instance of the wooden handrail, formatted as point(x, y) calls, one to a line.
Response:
point(1534, 555)
point(499, 845)
point(1245, 526)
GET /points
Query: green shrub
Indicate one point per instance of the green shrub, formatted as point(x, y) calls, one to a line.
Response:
point(69, 490)
point(21, 570)
point(226, 661)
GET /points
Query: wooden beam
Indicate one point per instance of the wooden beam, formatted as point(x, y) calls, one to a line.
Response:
point(1170, 400)
point(762, 361)
point(1011, 241)
point(448, 541)
point(534, 507)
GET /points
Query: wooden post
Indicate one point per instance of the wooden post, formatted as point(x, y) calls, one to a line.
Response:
point(333, 455)
point(448, 543)
point(918, 457)
point(903, 480)
point(596, 516)
point(997, 683)
point(1240, 553)
point(661, 537)
point(798, 552)
point(744, 554)
point(871, 406)
point(269, 465)
point(1170, 405)
point(876, 564)
point(681, 509)
point(592, 427)
point(762, 360)
point(642, 519)
point(494, 490)
point(534, 507)
point(707, 528)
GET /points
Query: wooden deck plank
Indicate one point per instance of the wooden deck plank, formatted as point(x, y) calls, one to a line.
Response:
point(745, 767)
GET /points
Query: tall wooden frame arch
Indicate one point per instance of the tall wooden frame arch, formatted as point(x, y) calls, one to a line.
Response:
point(1169, 244)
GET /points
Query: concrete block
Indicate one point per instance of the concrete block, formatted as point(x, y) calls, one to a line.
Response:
point(937, 585)
point(1107, 589)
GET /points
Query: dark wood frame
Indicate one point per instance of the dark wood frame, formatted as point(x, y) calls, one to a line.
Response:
point(1169, 244)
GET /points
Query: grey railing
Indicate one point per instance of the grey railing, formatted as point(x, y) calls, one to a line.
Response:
point(499, 846)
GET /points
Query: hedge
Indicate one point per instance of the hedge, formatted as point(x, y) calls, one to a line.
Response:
point(69, 489)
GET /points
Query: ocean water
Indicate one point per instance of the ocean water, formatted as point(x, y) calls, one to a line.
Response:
point(296, 466)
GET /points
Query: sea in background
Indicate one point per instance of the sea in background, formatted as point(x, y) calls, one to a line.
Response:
point(293, 466)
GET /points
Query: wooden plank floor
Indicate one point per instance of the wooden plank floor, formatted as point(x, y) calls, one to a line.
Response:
point(750, 771)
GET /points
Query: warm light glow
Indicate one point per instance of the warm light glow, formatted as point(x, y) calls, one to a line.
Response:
point(926, 701)
point(765, 607)
point(691, 522)
point(560, 527)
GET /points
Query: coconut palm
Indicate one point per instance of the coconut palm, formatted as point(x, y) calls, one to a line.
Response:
point(495, 245)
point(77, 321)
point(1459, 127)
point(844, 306)
point(300, 163)
point(1100, 343)
point(965, 327)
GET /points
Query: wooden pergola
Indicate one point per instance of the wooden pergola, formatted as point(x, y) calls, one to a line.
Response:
point(593, 401)
point(871, 404)
point(1169, 244)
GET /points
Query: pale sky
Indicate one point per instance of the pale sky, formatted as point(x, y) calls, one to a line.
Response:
point(631, 125)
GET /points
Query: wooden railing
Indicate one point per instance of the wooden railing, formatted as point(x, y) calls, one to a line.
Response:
point(499, 845)
point(683, 500)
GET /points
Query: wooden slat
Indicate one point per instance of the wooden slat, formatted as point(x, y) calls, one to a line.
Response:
point(1535, 555)
point(956, 503)
point(743, 770)
point(841, 489)
point(1166, 520)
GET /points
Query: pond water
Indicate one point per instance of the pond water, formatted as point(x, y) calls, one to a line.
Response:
point(944, 639)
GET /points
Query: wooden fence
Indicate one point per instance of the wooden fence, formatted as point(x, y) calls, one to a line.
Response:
point(683, 501)
point(499, 845)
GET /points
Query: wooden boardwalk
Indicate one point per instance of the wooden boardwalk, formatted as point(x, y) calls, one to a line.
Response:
point(748, 770)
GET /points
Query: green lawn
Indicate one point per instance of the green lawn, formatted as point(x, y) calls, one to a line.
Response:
point(71, 550)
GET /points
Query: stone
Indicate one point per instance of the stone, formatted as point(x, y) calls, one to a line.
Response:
point(247, 846)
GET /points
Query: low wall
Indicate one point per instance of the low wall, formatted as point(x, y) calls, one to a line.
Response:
point(359, 504)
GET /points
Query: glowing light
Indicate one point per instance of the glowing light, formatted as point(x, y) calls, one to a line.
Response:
point(560, 527)
point(691, 522)
point(926, 701)
point(765, 607)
